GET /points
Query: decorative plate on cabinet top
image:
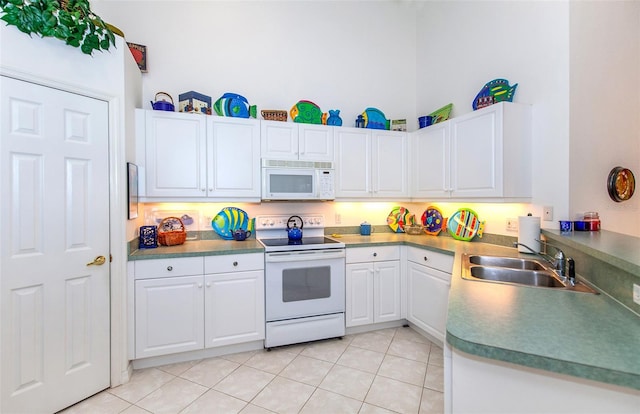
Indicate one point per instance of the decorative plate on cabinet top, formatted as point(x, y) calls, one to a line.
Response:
point(398, 218)
point(228, 220)
point(464, 225)
point(432, 221)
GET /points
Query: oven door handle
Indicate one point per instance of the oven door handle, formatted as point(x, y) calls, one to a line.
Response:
point(283, 257)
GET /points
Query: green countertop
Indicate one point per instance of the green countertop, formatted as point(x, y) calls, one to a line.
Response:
point(578, 334)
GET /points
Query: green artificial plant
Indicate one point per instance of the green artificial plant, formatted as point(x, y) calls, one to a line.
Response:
point(68, 20)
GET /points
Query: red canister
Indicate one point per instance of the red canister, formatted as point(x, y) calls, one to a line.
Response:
point(592, 221)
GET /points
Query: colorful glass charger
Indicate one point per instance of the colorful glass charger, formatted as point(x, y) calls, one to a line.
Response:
point(398, 218)
point(433, 221)
point(464, 225)
point(228, 220)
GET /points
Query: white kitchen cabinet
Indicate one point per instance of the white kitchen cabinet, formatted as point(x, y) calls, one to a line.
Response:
point(293, 141)
point(373, 285)
point(187, 304)
point(175, 149)
point(371, 164)
point(234, 299)
point(233, 154)
point(190, 157)
point(484, 154)
point(428, 280)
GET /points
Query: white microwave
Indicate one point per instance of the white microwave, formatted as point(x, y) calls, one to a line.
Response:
point(297, 180)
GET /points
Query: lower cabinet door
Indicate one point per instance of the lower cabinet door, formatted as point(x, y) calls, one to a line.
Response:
point(234, 308)
point(428, 298)
point(386, 284)
point(169, 315)
point(359, 294)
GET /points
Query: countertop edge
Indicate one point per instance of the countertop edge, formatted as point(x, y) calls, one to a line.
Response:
point(573, 369)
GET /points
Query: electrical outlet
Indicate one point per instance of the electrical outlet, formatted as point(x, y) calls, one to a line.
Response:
point(547, 213)
point(636, 293)
point(338, 218)
point(512, 224)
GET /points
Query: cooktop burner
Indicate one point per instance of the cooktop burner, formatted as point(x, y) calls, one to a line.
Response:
point(271, 231)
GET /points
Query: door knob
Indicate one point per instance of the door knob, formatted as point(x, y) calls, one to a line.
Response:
point(98, 261)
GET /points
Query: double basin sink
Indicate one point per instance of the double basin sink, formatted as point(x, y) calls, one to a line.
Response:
point(517, 271)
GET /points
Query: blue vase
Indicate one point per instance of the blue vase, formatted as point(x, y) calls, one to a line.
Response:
point(334, 117)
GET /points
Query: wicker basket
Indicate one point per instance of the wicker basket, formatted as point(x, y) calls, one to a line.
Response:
point(274, 115)
point(171, 232)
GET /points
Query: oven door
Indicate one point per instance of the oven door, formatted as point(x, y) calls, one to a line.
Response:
point(304, 283)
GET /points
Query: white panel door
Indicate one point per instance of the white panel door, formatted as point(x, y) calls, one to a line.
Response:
point(279, 140)
point(176, 157)
point(316, 142)
point(359, 294)
point(386, 287)
point(353, 162)
point(54, 203)
point(234, 308)
point(430, 152)
point(389, 172)
point(234, 157)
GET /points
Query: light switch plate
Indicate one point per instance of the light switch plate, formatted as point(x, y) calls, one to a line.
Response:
point(547, 213)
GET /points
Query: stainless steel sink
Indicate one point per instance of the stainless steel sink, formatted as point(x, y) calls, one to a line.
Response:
point(509, 262)
point(517, 271)
point(521, 277)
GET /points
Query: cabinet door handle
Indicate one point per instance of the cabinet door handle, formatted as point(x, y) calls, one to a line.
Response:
point(200, 285)
point(235, 263)
point(169, 268)
point(203, 189)
point(208, 284)
point(426, 259)
point(375, 254)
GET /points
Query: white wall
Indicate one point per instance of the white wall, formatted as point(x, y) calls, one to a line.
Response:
point(410, 57)
point(464, 44)
point(605, 108)
point(341, 55)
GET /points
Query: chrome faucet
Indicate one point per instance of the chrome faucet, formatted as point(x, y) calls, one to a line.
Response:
point(558, 261)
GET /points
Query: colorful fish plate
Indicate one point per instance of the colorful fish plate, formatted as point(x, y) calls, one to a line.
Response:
point(234, 105)
point(399, 218)
point(464, 225)
point(497, 90)
point(441, 114)
point(306, 112)
point(433, 221)
point(228, 220)
point(375, 119)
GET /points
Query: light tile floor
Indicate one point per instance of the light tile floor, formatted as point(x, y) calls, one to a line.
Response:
point(387, 371)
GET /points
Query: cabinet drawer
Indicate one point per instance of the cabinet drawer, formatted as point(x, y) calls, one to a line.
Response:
point(373, 254)
point(233, 263)
point(439, 261)
point(184, 266)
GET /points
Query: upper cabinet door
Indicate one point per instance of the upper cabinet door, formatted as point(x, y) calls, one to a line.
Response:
point(389, 164)
point(491, 153)
point(279, 140)
point(234, 157)
point(291, 141)
point(315, 142)
point(175, 154)
point(430, 151)
point(353, 163)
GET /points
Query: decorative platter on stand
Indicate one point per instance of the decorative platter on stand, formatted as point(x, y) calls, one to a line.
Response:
point(399, 218)
point(464, 225)
point(228, 220)
point(433, 221)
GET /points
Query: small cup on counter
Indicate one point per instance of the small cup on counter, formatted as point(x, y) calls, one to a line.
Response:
point(565, 226)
